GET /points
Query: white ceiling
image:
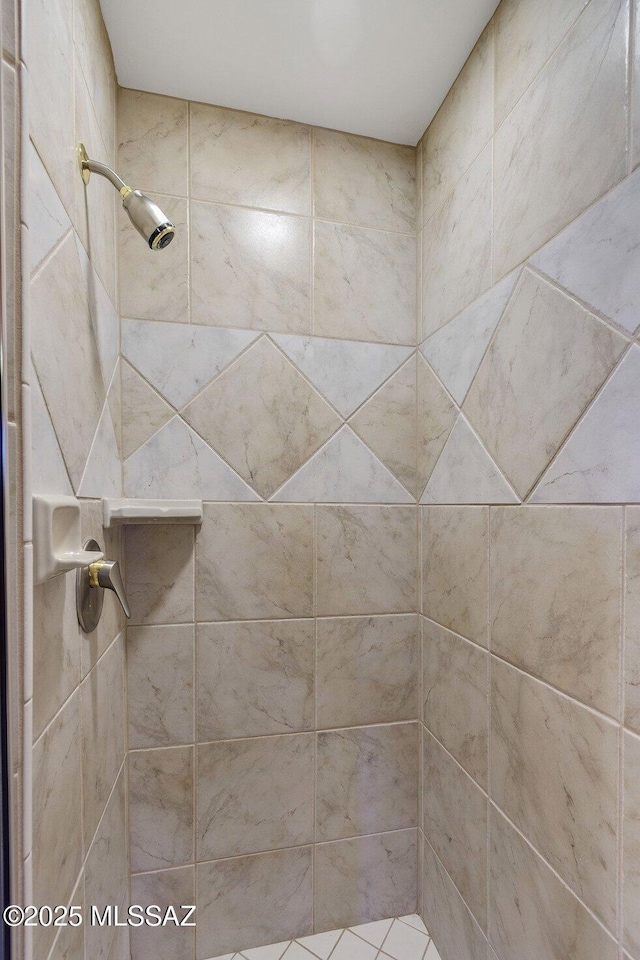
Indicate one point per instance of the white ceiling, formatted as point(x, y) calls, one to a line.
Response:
point(375, 67)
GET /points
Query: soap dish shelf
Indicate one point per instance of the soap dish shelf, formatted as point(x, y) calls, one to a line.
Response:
point(118, 512)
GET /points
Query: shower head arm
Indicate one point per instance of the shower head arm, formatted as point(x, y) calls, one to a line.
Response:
point(87, 167)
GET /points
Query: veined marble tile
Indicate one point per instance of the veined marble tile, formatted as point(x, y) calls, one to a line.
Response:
point(114, 399)
point(250, 269)
point(47, 217)
point(600, 462)
point(343, 471)
point(635, 154)
point(247, 159)
point(345, 372)
point(597, 257)
point(456, 350)
point(153, 141)
point(144, 411)
point(160, 664)
point(106, 873)
point(631, 852)
point(95, 59)
point(159, 572)
point(48, 472)
point(166, 888)
point(364, 283)
point(632, 619)
point(448, 919)
point(161, 807)
point(436, 416)
point(177, 463)
point(178, 359)
point(102, 475)
point(577, 108)
point(544, 366)
point(104, 317)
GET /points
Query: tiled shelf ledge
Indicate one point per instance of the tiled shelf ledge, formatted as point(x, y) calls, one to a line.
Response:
point(118, 512)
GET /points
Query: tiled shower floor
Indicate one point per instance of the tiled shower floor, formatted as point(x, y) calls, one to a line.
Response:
point(402, 938)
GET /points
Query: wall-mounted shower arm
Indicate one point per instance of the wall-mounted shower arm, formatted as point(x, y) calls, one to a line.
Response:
point(88, 167)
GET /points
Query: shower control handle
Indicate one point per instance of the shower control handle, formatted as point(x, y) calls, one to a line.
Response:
point(106, 574)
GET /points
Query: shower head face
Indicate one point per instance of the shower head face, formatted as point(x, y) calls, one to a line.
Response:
point(149, 220)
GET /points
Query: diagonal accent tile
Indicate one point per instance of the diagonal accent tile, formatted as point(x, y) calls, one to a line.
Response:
point(102, 475)
point(597, 257)
point(179, 359)
point(350, 947)
point(387, 423)
point(414, 920)
point(345, 372)
point(600, 462)
point(144, 411)
point(49, 474)
point(456, 350)
point(543, 367)
point(436, 417)
point(104, 316)
point(263, 417)
point(404, 942)
point(373, 932)
point(47, 218)
point(321, 944)
point(343, 471)
point(177, 463)
point(465, 473)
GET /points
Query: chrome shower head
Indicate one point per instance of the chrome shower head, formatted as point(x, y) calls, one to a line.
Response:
point(145, 215)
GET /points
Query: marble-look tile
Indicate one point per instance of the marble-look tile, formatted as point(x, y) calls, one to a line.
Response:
point(114, 399)
point(525, 38)
point(165, 888)
point(631, 850)
point(106, 873)
point(632, 619)
point(436, 415)
point(554, 768)
point(455, 351)
point(179, 359)
point(240, 906)
point(362, 879)
point(461, 128)
point(144, 412)
point(63, 344)
point(362, 181)
point(177, 463)
point(596, 256)
point(599, 462)
point(69, 944)
point(262, 417)
point(366, 781)
point(635, 84)
point(254, 678)
point(254, 795)
point(159, 562)
point(102, 712)
point(585, 133)
point(387, 423)
point(447, 917)
point(254, 561)
point(533, 914)
point(545, 364)
point(48, 471)
point(47, 217)
point(555, 597)
point(455, 568)
point(56, 648)
point(153, 142)
point(95, 60)
point(246, 159)
point(104, 317)
point(102, 476)
point(465, 473)
point(367, 670)
point(160, 665)
point(456, 247)
point(366, 559)
point(364, 283)
point(455, 692)
point(344, 470)
point(455, 824)
point(250, 268)
point(112, 621)
point(161, 807)
point(164, 294)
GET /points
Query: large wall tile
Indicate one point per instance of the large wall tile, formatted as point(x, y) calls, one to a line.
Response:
point(555, 597)
point(48, 471)
point(160, 666)
point(364, 284)
point(153, 142)
point(48, 220)
point(631, 851)
point(363, 879)
point(255, 678)
point(250, 268)
point(57, 643)
point(456, 247)
point(635, 155)
point(632, 619)
point(144, 412)
point(584, 135)
point(362, 181)
point(161, 807)
point(366, 780)
point(254, 795)
point(102, 475)
point(455, 692)
point(366, 559)
point(249, 901)
point(367, 670)
point(254, 562)
point(455, 824)
point(256, 161)
point(165, 888)
point(533, 913)
point(112, 621)
point(436, 415)
point(159, 573)
point(95, 59)
point(554, 767)
point(455, 569)
point(448, 920)
point(106, 874)
point(546, 362)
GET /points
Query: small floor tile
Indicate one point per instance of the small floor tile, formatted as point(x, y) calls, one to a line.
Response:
point(321, 944)
point(404, 942)
point(296, 952)
point(351, 947)
point(373, 932)
point(415, 921)
point(432, 953)
point(272, 952)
